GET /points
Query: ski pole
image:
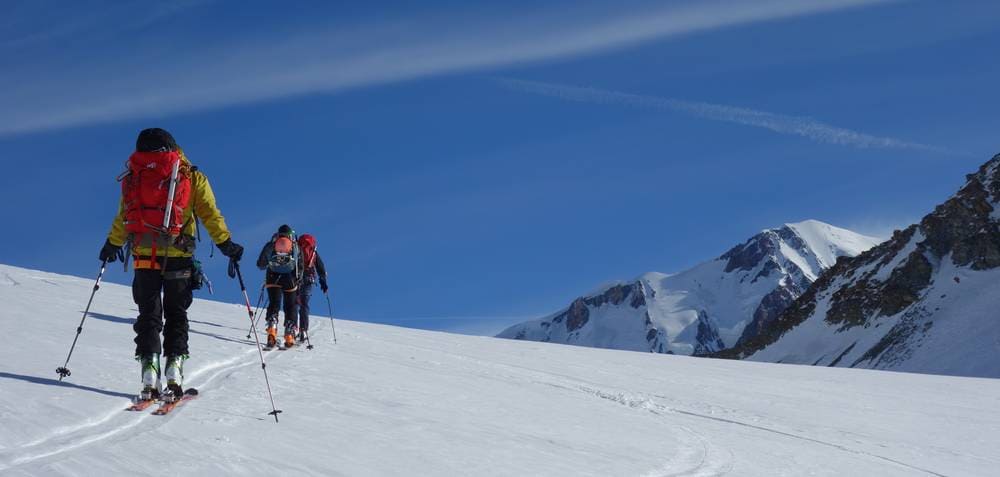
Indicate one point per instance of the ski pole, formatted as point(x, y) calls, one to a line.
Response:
point(328, 305)
point(246, 298)
point(63, 370)
point(253, 320)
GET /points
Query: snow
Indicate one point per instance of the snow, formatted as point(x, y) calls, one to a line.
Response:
point(729, 299)
point(828, 242)
point(953, 329)
point(394, 401)
point(885, 271)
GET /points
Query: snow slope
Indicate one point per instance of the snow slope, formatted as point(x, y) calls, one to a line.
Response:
point(706, 308)
point(927, 300)
point(394, 401)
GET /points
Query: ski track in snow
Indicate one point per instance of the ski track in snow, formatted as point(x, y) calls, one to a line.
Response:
point(431, 400)
point(705, 466)
point(46, 280)
point(808, 439)
point(70, 438)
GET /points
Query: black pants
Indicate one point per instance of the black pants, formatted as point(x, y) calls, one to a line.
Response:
point(282, 288)
point(166, 314)
point(305, 293)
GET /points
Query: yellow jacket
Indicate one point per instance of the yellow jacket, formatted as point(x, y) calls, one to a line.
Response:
point(202, 204)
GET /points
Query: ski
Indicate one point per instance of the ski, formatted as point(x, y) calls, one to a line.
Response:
point(141, 405)
point(166, 407)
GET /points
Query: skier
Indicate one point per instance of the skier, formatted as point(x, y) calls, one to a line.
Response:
point(163, 197)
point(282, 260)
point(313, 270)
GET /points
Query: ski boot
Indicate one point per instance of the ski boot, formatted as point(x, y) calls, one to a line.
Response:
point(289, 340)
point(301, 336)
point(174, 373)
point(150, 368)
point(272, 335)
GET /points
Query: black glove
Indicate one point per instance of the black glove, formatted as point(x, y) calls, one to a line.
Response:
point(110, 252)
point(322, 285)
point(231, 249)
point(233, 265)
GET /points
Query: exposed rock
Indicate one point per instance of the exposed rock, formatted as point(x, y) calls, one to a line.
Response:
point(772, 306)
point(965, 229)
point(748, 255)
point(577, 315)
point(617, 295)
point(708, 340)
point(632, 316)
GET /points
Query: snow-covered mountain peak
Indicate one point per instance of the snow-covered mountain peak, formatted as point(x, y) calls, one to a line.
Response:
point(828, 242)
point(802, 250)
point(706, 308)
point(923, 300)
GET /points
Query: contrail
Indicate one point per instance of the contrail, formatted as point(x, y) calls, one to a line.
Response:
point(325, 55)
point(780, 123)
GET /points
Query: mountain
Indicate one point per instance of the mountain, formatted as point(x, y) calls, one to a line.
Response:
point(927, 300)
point(388, 401)
point(710, 307)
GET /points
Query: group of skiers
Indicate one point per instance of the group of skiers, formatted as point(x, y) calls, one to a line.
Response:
point(292, 267)
point(164, 197)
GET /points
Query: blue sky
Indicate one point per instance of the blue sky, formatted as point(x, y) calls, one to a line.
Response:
point(467, 166)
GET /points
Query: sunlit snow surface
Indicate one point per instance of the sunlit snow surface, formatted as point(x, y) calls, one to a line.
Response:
point(729, 297)
point(395, 401)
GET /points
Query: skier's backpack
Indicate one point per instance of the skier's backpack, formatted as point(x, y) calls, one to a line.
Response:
point(284, 255)
point(156, 189)
point(307, 244)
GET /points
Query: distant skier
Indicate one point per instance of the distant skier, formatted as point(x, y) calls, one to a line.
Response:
point(282, 260)
point(313, 270)
point(163, 196)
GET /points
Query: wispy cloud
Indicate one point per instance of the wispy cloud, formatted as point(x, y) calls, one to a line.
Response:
point(112, 18)
point(209, 74)
point(780, 123)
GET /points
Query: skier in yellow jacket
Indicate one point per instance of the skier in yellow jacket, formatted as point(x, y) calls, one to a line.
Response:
point(164, 264)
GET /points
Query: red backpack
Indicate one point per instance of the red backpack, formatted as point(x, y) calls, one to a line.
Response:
point(155, 191)
point(307, 243)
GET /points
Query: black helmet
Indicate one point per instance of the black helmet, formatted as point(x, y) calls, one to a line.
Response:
point(155, 139)
point(286, 230)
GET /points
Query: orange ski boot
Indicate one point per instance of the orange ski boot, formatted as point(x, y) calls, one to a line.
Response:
point(272, 336)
